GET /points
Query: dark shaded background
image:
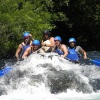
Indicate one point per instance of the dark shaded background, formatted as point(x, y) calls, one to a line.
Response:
point(83, 23)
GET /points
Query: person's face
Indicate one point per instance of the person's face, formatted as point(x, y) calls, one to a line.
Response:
point(26, 39)
point(72, 44)
point(35, 47)
point(57, 43)
point(46, 36)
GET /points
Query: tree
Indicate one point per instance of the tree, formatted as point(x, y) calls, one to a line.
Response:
point(19, 16)
point(84, 17)
point(83, 22)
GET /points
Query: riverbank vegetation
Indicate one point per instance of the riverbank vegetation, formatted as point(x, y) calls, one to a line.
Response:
point(67, 18)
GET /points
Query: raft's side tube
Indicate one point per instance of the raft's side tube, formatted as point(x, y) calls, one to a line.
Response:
point(5, 71)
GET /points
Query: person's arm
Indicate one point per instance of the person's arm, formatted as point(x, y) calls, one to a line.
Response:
point(84, 53)
point(65, 50)
point(42, 43)
point(26, 53)
point(51, 41)
point(18, 51)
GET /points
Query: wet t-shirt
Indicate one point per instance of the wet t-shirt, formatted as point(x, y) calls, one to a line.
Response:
point(78, 48)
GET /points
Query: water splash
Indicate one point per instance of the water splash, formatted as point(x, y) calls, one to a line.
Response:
point(49, 77)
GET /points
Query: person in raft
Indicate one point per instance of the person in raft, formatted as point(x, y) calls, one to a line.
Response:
point(47, 43)
point(59, 48)
point(34, 48)
point(27, 37)
point(75, 51)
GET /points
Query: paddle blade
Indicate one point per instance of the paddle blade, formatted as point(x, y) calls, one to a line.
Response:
point(96, 62)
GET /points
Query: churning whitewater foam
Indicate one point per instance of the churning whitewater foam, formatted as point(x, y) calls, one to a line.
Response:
point(50, 77)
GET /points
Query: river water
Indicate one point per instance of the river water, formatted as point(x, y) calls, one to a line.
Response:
point(49, 77)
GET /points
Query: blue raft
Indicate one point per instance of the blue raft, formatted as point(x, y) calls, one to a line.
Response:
point(5, 71)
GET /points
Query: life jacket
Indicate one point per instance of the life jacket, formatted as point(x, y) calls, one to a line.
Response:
point(24, 47)
point(72, 54)
point(59, 51)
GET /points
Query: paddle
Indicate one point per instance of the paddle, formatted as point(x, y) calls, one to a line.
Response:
point(95, 61)
point(73, 57)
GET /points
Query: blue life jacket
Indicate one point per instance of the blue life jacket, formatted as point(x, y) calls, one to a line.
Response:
point(72, 54)
point(59, 51)
point(24, 47)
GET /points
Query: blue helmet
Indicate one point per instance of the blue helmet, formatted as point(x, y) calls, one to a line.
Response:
point(26, 34)
point(58, 38)
point(36, 42)
point(72, 40)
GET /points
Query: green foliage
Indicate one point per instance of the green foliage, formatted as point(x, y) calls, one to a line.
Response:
point(18, 16)
point(80, 17)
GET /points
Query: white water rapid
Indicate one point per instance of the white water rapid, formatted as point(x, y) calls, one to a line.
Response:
point(49, 77)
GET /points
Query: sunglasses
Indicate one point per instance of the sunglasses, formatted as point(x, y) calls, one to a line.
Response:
point(26, 37)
